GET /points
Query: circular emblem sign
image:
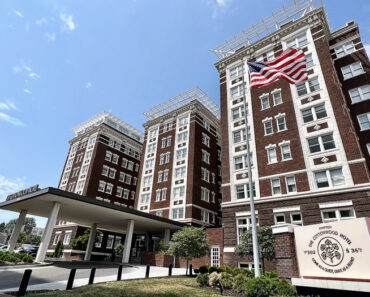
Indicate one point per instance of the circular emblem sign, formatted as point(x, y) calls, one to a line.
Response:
point(330, 251)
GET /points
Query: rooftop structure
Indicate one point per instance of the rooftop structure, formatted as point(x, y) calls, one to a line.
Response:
point(182, 99)
point(266, 26)
point(112, 121)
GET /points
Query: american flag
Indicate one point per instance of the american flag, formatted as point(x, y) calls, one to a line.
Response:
point(290, 65)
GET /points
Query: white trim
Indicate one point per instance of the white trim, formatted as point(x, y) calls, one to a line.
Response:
point(286, 209)
point(332, 284)
point(229, 249)
point(282, 174)
point(267, 119)
point(335, 204)
point(286, 228)
point(357, 161)
point(244, 213)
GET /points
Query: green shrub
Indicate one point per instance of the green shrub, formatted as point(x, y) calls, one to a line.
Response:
point(196, 270)
point(283, 288)
point(239, 283)
point(236, 271)
point(118, 250)
point(58, 252)
point(203, 269)
point(202, 279)
point(27, 258)
point(221, 269)
point(226, 280)
point(228, 269)
point(49, 255)
point(259, 287)
point(213, 278)
point(213, 269)
point(270, 274)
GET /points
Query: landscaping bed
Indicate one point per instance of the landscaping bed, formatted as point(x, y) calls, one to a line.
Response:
point(7, 259)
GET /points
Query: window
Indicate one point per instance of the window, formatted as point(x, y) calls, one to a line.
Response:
point(290, 184)
point(159, 213)
point(56, 238)
point(204, 216)
point(164, 194)
point(126, 194)
point(135, 181)
point(265, 102)
point(75, 171)
point(161, 159)
point(243, 225)
point(204, 194)
point(276, 97)
point(237, 91)
point(314, 113)
point(213, 197)
point(109, 188)
point(268, 127)
point(147, 180)
point(204, 175)
point(112, 173)
point(321, 143)
point(128, 179)
point(67, 237)
point(183, 121)
point(285, 152)
point(164, 141)
point(205, 157)
point(241, 189)
point(329, 178)
point(71, 186)
point(180, 172)
point(84, 169)
point(99, 241)
point(309, 61)
point(181, 154)
point(364, 121)
point(124, 163)
point(360, 94)
point(165, 175)
point(281, 124)
point(121, 177)
point(137, 167)
point(153, 133)
point(206, 125)
point(205, 140)
point(132, 195)
point(130, 165)
point(167, 159)
point(149, 163)
point(271, 155)
point(167, 127)
point(237, 113)
point(215, 256)
point(236, 72)
point(110, 241)
point(310, 85)
point(270, 55)
point(119, 192)
point(352, 70)
point(145, 198)
point(330, 215)
point(169, 140)
point(298, 42)
point(183, 136)
point(115, 158)
point(179, 192)
point(177, 213)
point(275, 186)
point(296, 218)
point(241, 162)
point(101, 187)
point(158, 195)
point(108, 156)
point(151, 148)
point(279, 219)
point(345, 49)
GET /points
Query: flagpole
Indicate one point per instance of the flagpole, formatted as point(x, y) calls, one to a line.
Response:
point(253, 213)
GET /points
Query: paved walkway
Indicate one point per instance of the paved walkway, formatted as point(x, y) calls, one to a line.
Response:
point(128, 272)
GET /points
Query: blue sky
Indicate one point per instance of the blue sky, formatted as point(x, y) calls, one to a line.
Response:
point(64, 61)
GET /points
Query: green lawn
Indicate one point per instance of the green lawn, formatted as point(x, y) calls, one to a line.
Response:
point(170, 287)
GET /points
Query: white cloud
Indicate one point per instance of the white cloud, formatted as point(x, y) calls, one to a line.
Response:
point(27, 91)
point(88, 85)
point(28, 68)
point(67, 20)
point(7, 118)
point(17, 69)
point(367, 48)
point(8, 186)
point(41, 22)
point(34, 75)
point(50, 36)
point(18, 13)
point(8, 105)
point(218, 6)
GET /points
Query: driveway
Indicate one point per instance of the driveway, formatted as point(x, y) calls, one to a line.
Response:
point(55, 277)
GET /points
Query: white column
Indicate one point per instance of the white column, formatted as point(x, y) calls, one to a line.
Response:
point(128, 241)
point(167, 236)
point(40, 257)
point(17, 229)
point(90, 243)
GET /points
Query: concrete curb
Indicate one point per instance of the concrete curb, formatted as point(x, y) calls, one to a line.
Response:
point(2, 268)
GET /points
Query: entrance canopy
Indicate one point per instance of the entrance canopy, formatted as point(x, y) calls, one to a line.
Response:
point(87, 211)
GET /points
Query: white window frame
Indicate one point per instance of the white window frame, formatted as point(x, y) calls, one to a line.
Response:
point(351, 67)
point(279, 215)
point(277, 118)
point(314, 113)
point(288, 184)
point(273, 186)
point(270, 150)
point(67, 237)
point(236, 71)
point(274, 98)
point(265, 123)
point(215, 255)
point(367, 122)
point(328, 176)
point(338, 216)
point(345, 49)
point(300, 222)
point(321, 143)
point(263, 106)
point(110, 242)
point(282, 146)
point(360, 94)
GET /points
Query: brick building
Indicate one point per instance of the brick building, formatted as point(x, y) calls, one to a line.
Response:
point(179, 175)
point(309, 142)
point(102, 163)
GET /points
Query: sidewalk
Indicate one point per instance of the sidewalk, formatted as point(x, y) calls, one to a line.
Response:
point(139, 273)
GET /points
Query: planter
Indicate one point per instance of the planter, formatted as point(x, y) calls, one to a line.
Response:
point(160, 260)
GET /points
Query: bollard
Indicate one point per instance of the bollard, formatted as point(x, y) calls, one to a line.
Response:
point(24, 283)
point(119, 275)
point(220, 286)
point(170, 270)
point(71, 279)
point(191, 270)
point(92, 276)
point(147, 271)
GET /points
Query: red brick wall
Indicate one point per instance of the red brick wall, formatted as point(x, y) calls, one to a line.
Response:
point(285, 255)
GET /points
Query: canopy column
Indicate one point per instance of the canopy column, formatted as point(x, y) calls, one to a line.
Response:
point(90, 243)
point(17, 229)
point(128, 241)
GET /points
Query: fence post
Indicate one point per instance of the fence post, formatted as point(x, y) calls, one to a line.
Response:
point(92, 276)
point(147, 271)
point(71, 279)
point(119, 275)
point(170, 270)
point(191, 270)
point(24, 283)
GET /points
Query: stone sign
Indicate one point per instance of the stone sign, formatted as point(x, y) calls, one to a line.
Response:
point(338, 250)
point(24, 192)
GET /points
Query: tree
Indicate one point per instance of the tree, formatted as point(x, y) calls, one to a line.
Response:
point(80, 243)
point(189, 243)
point(266, 244)
point(2, 227)
point(58, 252)
point(29, 238)
point(30, 222)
